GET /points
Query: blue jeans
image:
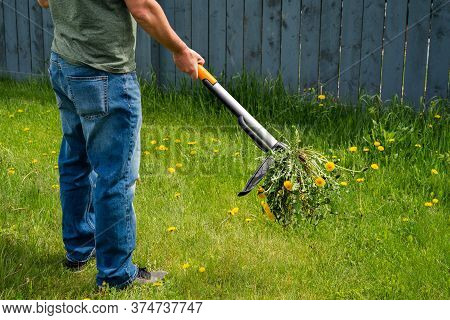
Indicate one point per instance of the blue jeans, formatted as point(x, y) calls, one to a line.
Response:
point(98, 166)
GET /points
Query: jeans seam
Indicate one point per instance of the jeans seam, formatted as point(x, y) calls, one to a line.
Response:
point(82, 261)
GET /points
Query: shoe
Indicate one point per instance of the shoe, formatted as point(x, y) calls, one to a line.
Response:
point(144, 276)
point(76, 266)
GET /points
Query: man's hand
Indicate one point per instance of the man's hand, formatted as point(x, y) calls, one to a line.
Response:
point(43, 3)
point(187, 61)
point(151, 17)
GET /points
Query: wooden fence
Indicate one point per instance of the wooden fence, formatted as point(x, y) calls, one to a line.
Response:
point(346, 47)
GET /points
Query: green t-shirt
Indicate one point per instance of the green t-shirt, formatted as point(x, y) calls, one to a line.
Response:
point(98, 33)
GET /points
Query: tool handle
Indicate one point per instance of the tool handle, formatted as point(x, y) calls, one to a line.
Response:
point(204, 74)
point(258, 141)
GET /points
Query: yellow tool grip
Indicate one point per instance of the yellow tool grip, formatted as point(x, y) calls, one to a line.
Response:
point(204, 74)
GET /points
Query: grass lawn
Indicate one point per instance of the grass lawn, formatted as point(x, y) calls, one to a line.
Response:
point(383, 243)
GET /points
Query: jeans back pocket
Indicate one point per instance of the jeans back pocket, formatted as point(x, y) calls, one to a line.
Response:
point(89, 96)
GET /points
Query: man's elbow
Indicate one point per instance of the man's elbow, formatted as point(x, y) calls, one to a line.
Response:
point(43, 3)
point(142, 10)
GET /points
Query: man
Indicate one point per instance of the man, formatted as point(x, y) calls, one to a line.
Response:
point(92, 73)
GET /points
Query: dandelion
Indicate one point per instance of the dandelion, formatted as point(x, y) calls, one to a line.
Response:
point(428, 204)
point(236, 154)
point(380, 148)
point(365, 149)
point(55, 166)
point(201, 269)
point(434, 171)
point(353, 149)
point(179, 165)
point(375, 166)
point(34, 161)
point(153, 142)
point(344, 183)
point(377, 143)
point(216, 150)
point(417, 145)
point(435, 201)
point(288, 185)
point(191, 143)
point(261, 194)
point(45, 154)
point(321, 97)
point(193, 152)
point(162, 148)
point(55, 186)
point(26, 129)
point(146, 153)
point(185, 266)
point(360, 180)
point(157, 284)
point(437, 116)
point(171, 229)
point(267, 210)
point(430, 125)
point(166, 139)
point(53, 152)
point(177, 140)
point(233, 211)
point(19, 110)
point(177, 195)
point(171, 170)
point(320, 182)
point(248, 220)
point(330, 166)
point(11, 171)
point(405, 219)
point(391, 140)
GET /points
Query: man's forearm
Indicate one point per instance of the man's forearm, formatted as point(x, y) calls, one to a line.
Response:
point(43, 3)
point(150, 16)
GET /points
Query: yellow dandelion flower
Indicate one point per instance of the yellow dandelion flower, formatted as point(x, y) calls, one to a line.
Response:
point(248, 220)
point(330, 166)
point(34, 161)
point(375, 166)
point(45, 154)
point(320, 182)
point(434, 171)
point(216, 150)
point(391, 140)
point(146, 153)
point(166, 139)
point(193, 152)
point(162, 148)
point(214, 140)
point(157, 284)
point(11, 171)
point(377, 143)
point(19, 110)
point(53, 152)
point(435, 201)
point(428, 204)
point(201, 269)
point(360, 180)
point(353, 149)
point(321, 97)
point(233, 211)
point(55, 166)
point(177, 194)
point(405, 219)
point(236, 154)
point(185, 266)
point(344, 183)
point(191, 143)
point(179, 165)
point(380, 148)
point(430, 125)
point(171, 229)
point(365, 149)
point(417, 145)
point(55, 186)
point(288, 185)
point(153, 142)
point(26, 129)
point(437, 116)
point(177, 140)
point(171, 170)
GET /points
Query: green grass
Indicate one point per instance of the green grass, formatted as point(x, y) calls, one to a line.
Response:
point(382, 244)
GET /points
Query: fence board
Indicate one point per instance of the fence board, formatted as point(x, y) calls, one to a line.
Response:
point(183, 27)
point(394, 46)
point(143, 54)
point(439, 65)
point(416, 50)
point(200, 28)
point(37, 38)
point(47, 23)
point(2, 41)
point(252, 36)
point(329, 45)
point(352, 13)
point(371, 46)
point(217, 35)
point(290, 44)
point(235, 37)
point(271, 41)
point(166, 66)
point(12, 52)
point(23, 37)
point(310, 39)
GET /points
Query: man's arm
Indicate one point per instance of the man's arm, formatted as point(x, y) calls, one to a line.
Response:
point(151, 17)
point(43, 3)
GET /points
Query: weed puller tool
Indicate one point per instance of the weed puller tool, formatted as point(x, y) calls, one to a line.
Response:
point(262, 138)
